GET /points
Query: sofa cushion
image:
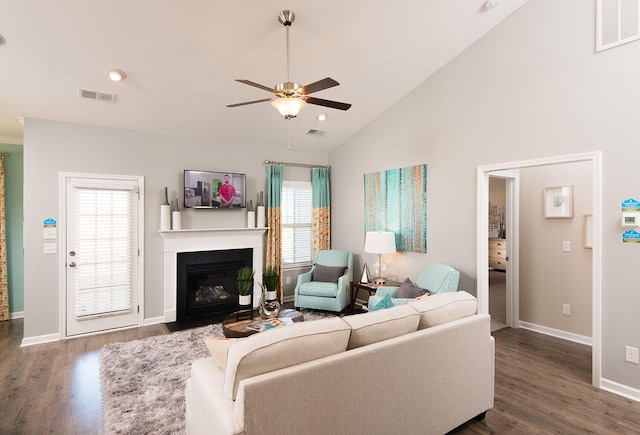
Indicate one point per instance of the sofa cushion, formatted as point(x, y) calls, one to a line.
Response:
point(328, 273)
point(444, 307)
point(219, 348)
point(283, 347)
point(381, 325)
point(408, 290)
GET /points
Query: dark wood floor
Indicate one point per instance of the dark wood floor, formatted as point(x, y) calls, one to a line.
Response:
point(543, 385)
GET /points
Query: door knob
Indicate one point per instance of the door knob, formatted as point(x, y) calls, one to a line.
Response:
point(72, 253)
point(72, 264)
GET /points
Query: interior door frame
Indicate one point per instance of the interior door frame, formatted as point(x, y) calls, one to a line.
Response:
point(512, 223)
point(62, 256)
point(482, 241)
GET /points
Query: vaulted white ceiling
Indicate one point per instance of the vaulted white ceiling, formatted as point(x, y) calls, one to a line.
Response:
point(181, 59)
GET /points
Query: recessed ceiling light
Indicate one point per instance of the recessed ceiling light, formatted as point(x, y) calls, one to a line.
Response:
point(116, 75)
point(322, 117)
point(490, 4)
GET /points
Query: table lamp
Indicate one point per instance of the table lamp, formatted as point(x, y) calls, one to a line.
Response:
point(380, 242)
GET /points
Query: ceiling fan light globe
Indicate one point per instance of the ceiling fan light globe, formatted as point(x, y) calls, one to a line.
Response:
point(289, 107)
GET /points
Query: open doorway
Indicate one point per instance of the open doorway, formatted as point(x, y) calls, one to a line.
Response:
point(504, 231)
point(498, 256)
point(593, 161)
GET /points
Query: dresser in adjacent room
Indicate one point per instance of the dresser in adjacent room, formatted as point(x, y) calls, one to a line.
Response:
point(498, 254)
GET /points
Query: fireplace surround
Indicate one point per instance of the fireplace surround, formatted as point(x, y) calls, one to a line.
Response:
point(203, 240)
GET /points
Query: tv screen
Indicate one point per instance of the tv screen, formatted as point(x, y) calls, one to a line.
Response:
point(209, 189)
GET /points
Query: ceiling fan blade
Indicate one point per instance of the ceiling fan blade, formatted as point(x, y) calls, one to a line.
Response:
point(249, 102)
point(325, 83)
point(256, 85)
point(328, 103)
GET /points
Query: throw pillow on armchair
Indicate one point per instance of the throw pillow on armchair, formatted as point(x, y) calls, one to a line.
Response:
point(408, 290)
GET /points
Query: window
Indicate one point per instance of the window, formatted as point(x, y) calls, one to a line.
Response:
point(618, 22)
point(296, 222)
point(106, 247)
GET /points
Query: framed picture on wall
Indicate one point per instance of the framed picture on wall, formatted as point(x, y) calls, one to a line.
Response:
point(558, 202)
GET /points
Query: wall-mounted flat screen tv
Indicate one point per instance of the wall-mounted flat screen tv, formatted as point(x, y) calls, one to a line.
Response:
point(209, 189)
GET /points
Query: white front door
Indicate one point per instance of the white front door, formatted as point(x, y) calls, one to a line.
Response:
point(102, 253)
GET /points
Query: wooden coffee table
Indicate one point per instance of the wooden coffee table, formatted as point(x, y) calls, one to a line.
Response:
point(233, 328)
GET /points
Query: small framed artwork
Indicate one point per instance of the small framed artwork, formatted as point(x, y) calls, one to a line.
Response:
point(558, 202)
point(588, 231)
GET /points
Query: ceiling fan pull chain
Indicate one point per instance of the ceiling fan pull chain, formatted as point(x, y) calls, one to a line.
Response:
point(290, 135)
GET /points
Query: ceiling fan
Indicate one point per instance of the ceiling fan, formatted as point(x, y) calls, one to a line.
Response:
point(289, 97)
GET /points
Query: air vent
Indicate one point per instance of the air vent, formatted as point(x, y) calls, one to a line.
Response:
point(317, 133)
point(95, 95)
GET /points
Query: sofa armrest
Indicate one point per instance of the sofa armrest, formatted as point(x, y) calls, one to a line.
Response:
point(345, 279)
point(306, 277)
point(382, 291)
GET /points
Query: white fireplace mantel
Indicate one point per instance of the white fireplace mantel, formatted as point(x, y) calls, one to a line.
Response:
point(194, 240)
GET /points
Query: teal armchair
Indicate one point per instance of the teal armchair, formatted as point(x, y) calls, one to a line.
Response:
point(435, 277)
point(318, 290)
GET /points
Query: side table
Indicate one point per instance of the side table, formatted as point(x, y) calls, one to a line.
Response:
point(357, 286)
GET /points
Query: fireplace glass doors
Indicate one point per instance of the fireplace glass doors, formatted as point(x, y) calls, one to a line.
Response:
point(207, 284)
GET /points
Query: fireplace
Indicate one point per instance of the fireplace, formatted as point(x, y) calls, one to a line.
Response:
point(207, 283)
point(176, 242)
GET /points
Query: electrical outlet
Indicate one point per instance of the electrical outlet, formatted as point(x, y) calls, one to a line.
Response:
point(566, 309)
point(566, 246)
point(631, 354)
point(287, 280)
point(50, 248)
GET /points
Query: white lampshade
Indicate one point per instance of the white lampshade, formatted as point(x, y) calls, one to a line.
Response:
point(380, 242)
point(289, 107)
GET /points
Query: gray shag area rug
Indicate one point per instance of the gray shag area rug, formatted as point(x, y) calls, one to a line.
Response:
point(143, 381)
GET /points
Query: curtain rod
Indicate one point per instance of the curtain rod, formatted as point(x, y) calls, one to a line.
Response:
point(299, 165)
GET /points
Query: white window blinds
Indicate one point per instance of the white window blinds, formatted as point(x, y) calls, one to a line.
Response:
point(296, 211)
point(106, 247)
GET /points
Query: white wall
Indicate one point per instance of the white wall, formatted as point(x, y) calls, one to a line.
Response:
point(533, 87)
point(53, 147)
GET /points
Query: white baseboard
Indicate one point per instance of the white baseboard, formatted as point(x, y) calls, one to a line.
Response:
point(40, 339)
point(170, 316)
point(362, 302)
point(576, 338)
point(620, 390)
point(16, 315)
point(288, 299)
point(153, 321)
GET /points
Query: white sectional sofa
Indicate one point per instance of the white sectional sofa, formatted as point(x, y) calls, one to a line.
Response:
point(425, 367)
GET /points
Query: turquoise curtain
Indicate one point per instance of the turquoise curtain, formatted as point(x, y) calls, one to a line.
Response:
point(321, 203)
point(4, 279)
point(275, 177)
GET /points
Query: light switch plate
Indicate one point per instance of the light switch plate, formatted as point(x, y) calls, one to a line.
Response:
point(50, 233)
point(566, 246)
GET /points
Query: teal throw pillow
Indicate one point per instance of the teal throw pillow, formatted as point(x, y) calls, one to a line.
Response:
point(385, 302)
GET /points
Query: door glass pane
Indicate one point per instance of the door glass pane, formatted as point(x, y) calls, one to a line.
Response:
point(104, 251)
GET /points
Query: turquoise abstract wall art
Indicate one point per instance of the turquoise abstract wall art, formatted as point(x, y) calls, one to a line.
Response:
point(396, 200)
